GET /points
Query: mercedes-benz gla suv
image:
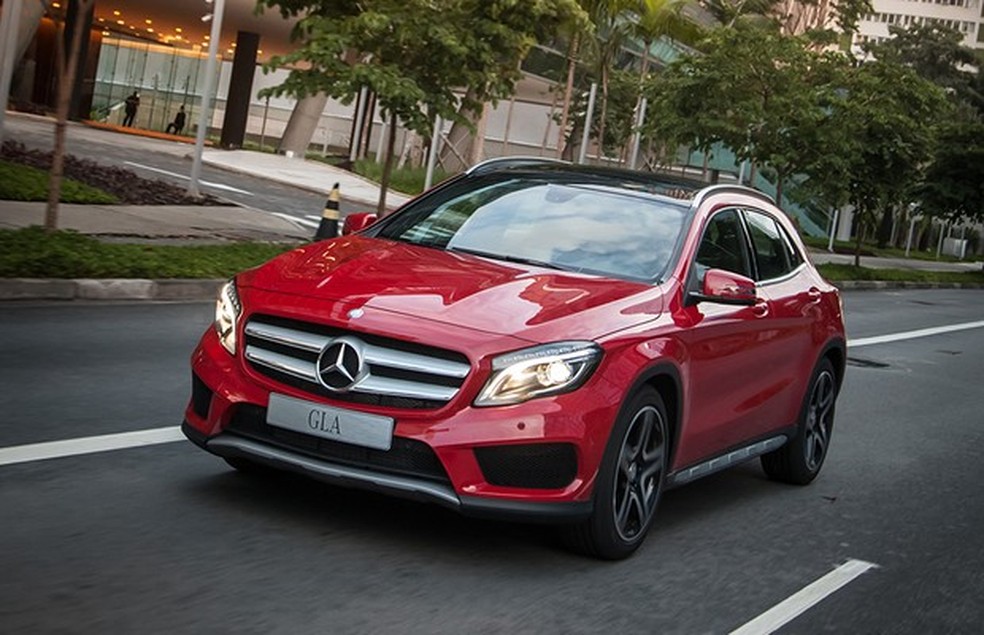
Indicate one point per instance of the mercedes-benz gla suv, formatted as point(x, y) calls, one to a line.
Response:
point(532, 341)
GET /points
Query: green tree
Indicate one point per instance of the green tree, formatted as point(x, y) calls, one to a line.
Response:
point(417, 56)
point(953, 187)
point(937, 54)
point(888, 114)
point(765, 96)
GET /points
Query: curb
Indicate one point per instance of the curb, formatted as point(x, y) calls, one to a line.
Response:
point(193, 290)
point(109, 289)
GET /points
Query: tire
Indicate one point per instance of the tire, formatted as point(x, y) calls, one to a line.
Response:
point(630, 481)
point(799, 461)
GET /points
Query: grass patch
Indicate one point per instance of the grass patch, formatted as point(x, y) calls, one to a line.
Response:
point(870, 249)
point(23, 183)
point(33, 253)
point(405, 180)
point(839, 273)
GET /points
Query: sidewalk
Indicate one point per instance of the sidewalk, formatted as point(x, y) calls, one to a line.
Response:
point(825, 257)
point(161, 224)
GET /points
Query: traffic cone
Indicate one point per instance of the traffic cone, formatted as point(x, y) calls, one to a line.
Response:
point(328, 228)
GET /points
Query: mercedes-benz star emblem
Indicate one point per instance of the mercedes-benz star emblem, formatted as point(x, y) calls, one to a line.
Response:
point(340, 365)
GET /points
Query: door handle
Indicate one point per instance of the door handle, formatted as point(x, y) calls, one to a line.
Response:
point(760, 309)
point(813, 295)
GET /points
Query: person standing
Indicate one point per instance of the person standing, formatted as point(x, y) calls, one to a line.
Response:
point(130, 105)
point(179, 122)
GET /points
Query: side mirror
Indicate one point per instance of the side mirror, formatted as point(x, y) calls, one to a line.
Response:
point(725, 287)
point(356, 222)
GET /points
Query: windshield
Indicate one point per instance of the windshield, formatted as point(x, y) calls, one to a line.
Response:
point(581, 227)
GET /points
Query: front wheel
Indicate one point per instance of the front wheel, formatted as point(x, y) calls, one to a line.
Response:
point(799, 461)
point(630, 481)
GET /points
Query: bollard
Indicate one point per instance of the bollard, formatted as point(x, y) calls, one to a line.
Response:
point(328, 228)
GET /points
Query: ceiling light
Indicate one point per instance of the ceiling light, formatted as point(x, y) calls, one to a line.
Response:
point(121, 22)
point(116, 13)
point(56, 5)
point(149, 21)
point(177, 30)
point(207, 17)
point(150, 30)
point(208, 37)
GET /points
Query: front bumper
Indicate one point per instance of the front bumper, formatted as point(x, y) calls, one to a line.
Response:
point(234, 446)
point(446, 451)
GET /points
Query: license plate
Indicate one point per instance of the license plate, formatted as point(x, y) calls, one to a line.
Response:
point(337, 424)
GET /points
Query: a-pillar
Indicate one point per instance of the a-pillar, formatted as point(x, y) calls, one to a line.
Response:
point(240, 90)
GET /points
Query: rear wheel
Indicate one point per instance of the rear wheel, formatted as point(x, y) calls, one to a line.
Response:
point(630, 482)
point(799, 461)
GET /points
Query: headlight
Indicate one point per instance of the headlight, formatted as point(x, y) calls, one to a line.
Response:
point(227, 311)
point(539, 371)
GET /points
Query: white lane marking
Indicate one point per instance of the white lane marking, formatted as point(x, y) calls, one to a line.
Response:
point(796, 604)
point(909, 335)
point(303, 222)
point(88, 445)
point(218, 186)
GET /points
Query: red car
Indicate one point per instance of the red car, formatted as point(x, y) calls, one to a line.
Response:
point(533, 341)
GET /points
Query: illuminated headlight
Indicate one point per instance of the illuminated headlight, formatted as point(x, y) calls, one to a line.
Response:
point(539, 371)
point(227, 310)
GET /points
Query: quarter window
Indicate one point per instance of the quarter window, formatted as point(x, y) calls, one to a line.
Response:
point(774, 256)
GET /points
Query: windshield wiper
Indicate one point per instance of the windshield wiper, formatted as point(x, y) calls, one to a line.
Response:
point(516, 259)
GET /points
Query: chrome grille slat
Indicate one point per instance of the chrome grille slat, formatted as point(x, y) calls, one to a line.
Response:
point(283, 363)
point(402, 388)
point(411, 361)
point(395, 374)
point(289, 337)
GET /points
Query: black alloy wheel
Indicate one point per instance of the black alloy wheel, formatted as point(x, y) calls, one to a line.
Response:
point(799, 461)
point(630, 481)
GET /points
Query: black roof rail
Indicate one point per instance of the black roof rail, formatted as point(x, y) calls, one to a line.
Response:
point(504, 163)
point(734, 188)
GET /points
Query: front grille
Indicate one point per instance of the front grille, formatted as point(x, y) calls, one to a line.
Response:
point(534, 466)
point(396, 373)
point(406, 457)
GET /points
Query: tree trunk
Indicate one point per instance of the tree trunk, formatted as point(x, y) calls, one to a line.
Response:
point(66, 81)
point(780, 180)
point(454, 155)
point(387, 167)
point(568, 92)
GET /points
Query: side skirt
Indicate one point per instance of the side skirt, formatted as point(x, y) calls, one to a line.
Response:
point(725, 461)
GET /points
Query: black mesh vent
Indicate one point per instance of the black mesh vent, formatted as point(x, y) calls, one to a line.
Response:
point(406, 457)
point(534, 466)
point(201, 397)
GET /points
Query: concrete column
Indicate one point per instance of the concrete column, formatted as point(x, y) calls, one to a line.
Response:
point(302, 124)
point(240, 90)
point(81, 100)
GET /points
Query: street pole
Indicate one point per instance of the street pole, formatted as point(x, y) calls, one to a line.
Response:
point(214, 44)
point(637, 138)
point(833, 227)
point(908, 241)
point(582, 154)
point(357, 137)
point(8, 49)
point(432, 155)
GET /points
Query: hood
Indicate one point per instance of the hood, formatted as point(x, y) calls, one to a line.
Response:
point(528, 302)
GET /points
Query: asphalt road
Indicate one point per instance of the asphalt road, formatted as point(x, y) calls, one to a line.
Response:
point(170, 161)
point(168, 539)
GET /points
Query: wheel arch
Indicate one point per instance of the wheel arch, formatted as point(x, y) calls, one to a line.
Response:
point(836, 351)
point(665, 378)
